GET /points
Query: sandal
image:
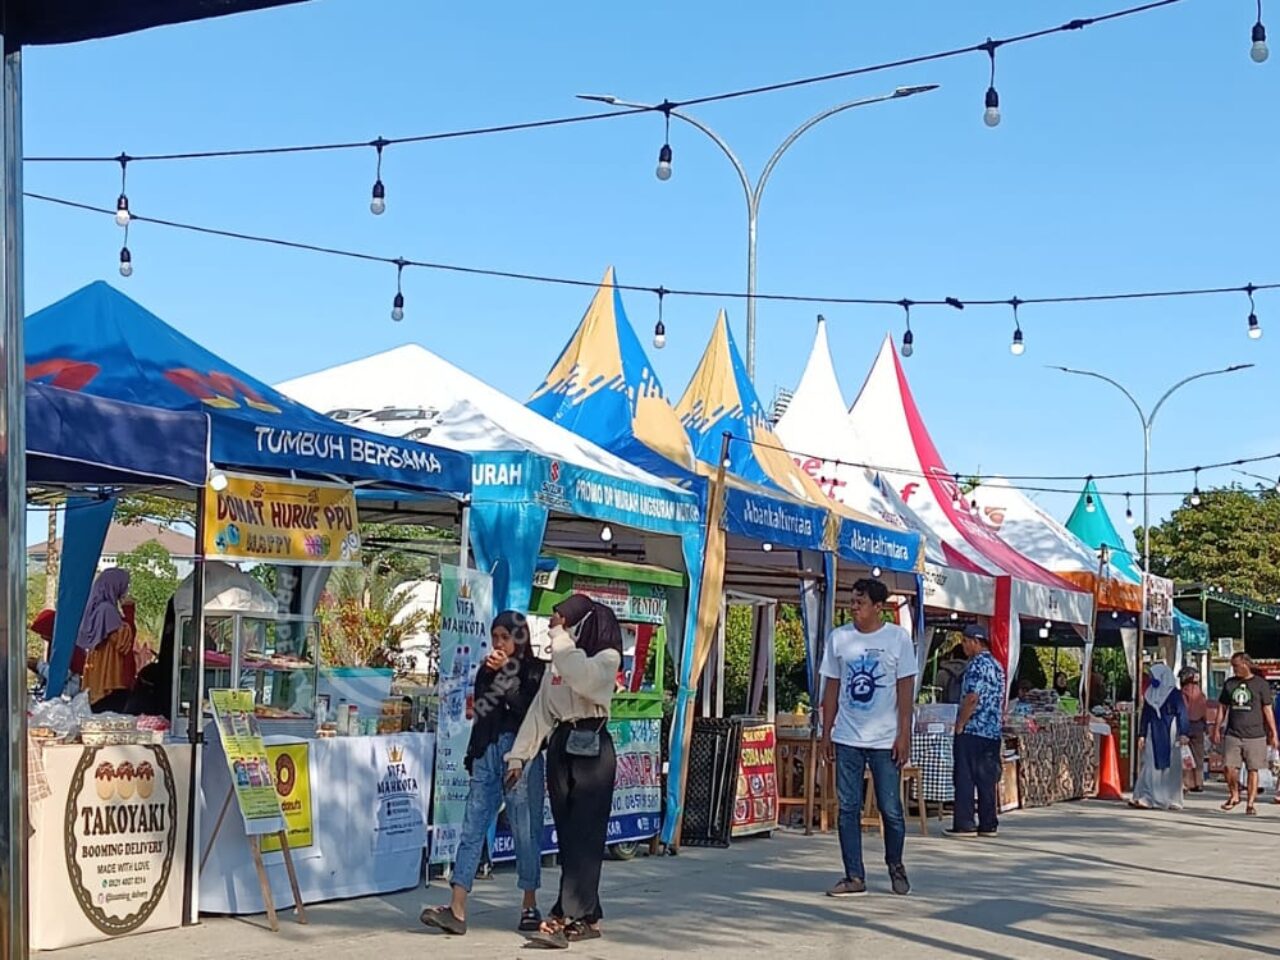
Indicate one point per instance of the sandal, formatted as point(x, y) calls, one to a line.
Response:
point(443, 918)
point(578, 931)
point(1230, 805)
point(1251, 810)
point(530, 920)
point(550, 935)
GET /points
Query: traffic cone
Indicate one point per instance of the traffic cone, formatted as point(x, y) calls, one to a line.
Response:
point(1109, 771)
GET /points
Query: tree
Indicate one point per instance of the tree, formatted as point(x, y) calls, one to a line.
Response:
point(1231, 540)
point(364, 617)
point(153, 580)
point(139, 507)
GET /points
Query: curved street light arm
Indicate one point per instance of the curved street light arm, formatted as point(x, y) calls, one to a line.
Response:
point(1146, 421)
point(726, 150)
point(1198, 376)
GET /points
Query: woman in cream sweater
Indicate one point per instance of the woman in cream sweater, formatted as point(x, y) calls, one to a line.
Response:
point(572, 709)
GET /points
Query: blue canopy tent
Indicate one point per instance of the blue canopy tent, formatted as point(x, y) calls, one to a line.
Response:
point(776, 541)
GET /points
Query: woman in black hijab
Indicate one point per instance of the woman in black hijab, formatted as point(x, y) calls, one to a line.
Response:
point(572, 707)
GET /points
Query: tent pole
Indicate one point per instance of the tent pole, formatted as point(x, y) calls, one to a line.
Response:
point(13, 474)
point(195, 734)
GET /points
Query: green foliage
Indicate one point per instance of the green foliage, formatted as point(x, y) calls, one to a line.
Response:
point(790, 672)
point(153, 580)
point(364, 618)
point(35, 603)
point(1231, 540)
point(139, 507)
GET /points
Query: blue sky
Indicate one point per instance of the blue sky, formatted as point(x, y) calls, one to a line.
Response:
point(1133, 155)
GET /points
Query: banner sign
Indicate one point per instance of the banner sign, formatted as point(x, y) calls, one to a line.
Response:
point(873, 546)
point(630, 602)
point(1157, 607)
point(292, 765)
point(121, 834)
point(281, 521)
point(755, 808)
point(780, 522)
point(466, 610)
point(637, 791)
point(400, 821)
point(580, 491)
point(248, 761)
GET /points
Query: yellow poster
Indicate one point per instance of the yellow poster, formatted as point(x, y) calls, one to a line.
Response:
point(291, 764)
point(247, 759)
point(281, 521)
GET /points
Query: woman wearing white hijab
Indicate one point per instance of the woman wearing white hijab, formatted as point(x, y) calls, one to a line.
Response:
point(1161, 730)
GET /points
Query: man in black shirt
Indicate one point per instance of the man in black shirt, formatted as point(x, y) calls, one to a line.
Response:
point(1246, 727)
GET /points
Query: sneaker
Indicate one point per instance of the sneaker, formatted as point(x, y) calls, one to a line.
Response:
point(961, 834)
point(898, 877)
point(848, 888)
point(988, 833)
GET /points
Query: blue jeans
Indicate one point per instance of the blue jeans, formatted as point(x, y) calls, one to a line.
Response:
point(524, 813)
point(851, 762)
point(977, 768)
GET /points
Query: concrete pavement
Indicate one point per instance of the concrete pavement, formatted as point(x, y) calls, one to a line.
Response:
point(1085, 879)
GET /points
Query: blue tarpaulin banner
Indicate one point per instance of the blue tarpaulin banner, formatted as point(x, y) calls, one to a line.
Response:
point(84, 531)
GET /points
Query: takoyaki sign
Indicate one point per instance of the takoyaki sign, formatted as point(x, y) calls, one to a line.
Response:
point(281, 521)
point(121, 834)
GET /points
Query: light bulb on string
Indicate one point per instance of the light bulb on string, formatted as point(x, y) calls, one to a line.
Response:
point(1258, 52)
point(955, 491)
point(1016, 347)
point(1255, 328)
point(1195, 490)
point(123, 216)
point(606, 533)
point(875, 571)
point(397, 303)
point(956, 616)
point(1128, 510)
point(767, 547)
point(659, 329)
point(1089, 506)
point(908, 338)
point(991, 115)
point(217, 480)
point(378, 201)
point(664, 154)
point(126, 262)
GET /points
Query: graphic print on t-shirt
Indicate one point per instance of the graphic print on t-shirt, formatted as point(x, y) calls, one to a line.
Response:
point(1242, 697)
point(865, 677)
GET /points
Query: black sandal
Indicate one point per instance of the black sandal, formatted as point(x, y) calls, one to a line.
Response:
point(578, 931)
point(530, 920)
point(550, 935)
point(443, 918)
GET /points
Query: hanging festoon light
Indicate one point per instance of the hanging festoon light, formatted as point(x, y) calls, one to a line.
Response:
point(767, 547)
point(378, 201)
point(1255, 328)
point(664, 155)
point(908, 338)
point(875, 571)
point(123, 216)
point(1195, 490)
point(659, 329)
point(1258, 52)
point(1016, 346)
point(606, 533)
point(1128, 510)
point(955, 491)
point(397, 303)
point(991, 115)
point(126, 258)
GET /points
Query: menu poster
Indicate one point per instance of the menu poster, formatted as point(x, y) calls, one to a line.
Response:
point(755, 808)
point(466, 609)
point(248, 761)
point(292, 765)
point(404, 784)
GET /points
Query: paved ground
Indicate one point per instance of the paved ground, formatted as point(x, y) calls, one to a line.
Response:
point(1080, 880)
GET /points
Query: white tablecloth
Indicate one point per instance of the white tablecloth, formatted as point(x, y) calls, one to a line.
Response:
point(352, 854)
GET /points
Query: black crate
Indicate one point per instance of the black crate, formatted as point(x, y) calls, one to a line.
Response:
point(712, 783)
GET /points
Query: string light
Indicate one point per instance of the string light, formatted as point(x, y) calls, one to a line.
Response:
point(397, 304)
point(1195, 490)
point(991, 115)
point(955, 615)
point(659, 329)
point(1255, 329)
point(875, 571)
point(767, 547)
point(1128, 510)
point(908, 338)
point(217, 481)
point(1259, 52)
point(1017, 347)
point(122, 202)
point(955, 492)
point(606, 533)
point(378, 202)
point(664, 154)
point(126, 258)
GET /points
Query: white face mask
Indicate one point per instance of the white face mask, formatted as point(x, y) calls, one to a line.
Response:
point(576, 630)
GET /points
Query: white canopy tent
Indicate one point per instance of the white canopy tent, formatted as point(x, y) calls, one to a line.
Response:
point(890, 433)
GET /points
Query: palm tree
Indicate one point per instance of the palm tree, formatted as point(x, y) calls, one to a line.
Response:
point(365, 615)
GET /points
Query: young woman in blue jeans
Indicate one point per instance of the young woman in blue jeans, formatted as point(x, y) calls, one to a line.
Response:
point(505, 685)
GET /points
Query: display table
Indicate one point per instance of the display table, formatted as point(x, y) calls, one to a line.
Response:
point(1056, 762)
point(933, 754)
point(357, 814)
point(108, 856)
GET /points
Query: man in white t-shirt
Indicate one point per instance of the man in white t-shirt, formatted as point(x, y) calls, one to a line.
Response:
point(868, 669)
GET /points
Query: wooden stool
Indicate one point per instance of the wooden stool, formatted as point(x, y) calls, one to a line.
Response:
point(912, 774)
point(871, 811)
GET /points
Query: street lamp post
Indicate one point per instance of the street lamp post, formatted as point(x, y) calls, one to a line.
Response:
point(1148, 419)
point(754, 192)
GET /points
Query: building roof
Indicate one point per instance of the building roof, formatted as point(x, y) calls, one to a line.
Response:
point(122, 538)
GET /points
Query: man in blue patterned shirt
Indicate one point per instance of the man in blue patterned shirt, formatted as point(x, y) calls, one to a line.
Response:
point(977, 744)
